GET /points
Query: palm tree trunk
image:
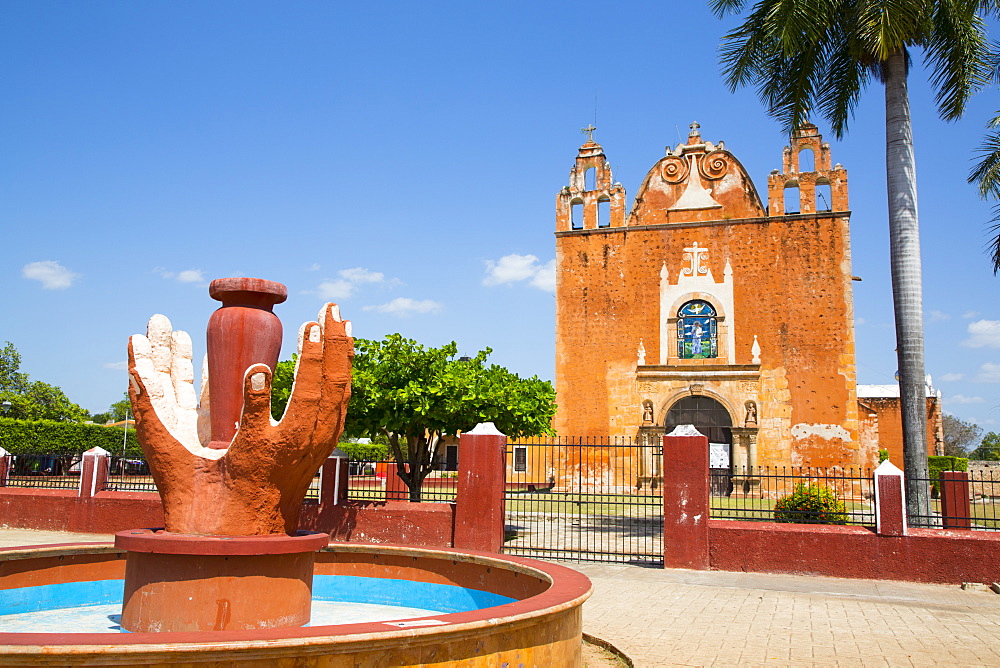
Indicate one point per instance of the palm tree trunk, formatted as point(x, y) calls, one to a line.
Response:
point(907, 296)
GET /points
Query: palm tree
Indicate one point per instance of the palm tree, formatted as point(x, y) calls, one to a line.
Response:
point(816, 56)
point(986, 174)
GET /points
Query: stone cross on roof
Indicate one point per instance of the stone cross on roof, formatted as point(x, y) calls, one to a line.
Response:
point(695, 255)
point(589, 131)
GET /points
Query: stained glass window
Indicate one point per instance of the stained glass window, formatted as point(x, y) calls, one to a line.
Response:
point(697, 331)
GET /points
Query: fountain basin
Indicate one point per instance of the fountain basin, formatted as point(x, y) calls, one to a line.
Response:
point(542, 626)
point(181, 582)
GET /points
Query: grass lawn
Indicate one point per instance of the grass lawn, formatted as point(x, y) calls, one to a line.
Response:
point(626, 505)
point(985, 515)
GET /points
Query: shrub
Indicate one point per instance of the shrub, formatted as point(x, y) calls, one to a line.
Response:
point(883, 455)
point(811, 504)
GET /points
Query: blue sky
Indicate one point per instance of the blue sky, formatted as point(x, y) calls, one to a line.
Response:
point(389, 156)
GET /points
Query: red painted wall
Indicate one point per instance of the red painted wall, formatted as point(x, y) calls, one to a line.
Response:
point(65, 510)
point(397, 522)
point(925, 555)
point(393, 522)
point(922, 555)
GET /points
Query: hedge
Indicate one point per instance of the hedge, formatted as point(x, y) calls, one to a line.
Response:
point(64, 438)
point(366, 452)
point(937, 464)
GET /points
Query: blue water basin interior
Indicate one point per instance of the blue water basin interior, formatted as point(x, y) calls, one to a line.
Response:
point(95, 607)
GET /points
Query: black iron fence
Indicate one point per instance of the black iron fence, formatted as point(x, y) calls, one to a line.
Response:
point(584, 499)
point(975, 503)
point(129, 475)
point(44, 470)
point(581, 498)
point(377, 480)
point(801, 495)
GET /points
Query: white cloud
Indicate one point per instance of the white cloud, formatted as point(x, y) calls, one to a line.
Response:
point(545, 277)
point(120, 366)
point(859, 321)
point(345, 286)
point(960, 399)
point(361, 275)
point(983, 334)
point(404, 306)
point(186, 276)
point(335, 289)
point(951, 377)
point(988, 373)
point(513, 268)
point(313, 267)
point(968, 315)
point(935, 316)
point(510, 268)
point(191, 276)
point(51, 274)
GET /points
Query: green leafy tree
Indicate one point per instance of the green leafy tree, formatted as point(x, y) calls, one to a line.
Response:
point(989, 449)
point(281, 386)
point(33, 400)
point(11, 380)
point(959, 436)
point(413, 395)
point(817, 56)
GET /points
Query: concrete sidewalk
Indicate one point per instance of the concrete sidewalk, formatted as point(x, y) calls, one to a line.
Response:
point(698, 618)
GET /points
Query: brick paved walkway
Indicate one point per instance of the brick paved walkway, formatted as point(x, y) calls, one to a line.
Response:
point(696, 618)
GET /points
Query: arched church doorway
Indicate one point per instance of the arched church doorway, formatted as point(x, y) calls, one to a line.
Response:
point(713, 420)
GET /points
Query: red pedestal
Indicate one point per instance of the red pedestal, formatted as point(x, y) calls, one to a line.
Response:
point(956, 510)
point(685, 502)
point(241, 333)
point(479, 502)
point(179, 582)
point(395, 487)
point(333, 479)
point(94, 472)
point(889, 501)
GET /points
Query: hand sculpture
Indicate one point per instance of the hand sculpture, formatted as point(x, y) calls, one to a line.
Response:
point(257, 484)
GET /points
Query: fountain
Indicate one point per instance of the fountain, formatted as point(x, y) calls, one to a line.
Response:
point(229, 577)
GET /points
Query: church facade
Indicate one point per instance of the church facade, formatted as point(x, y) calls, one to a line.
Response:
point(706, 305)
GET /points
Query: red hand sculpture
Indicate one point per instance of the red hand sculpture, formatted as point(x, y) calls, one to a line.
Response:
point(257, 484)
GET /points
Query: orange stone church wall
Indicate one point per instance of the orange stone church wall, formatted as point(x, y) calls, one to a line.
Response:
point(791, 279)
point(890, 425)
point(790, 290)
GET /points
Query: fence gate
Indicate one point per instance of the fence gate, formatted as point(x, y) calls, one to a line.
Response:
point(584, 499)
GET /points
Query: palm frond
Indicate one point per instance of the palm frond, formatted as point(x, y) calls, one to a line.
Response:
point(848, 72)
point(959, 53)
point(780, 50)
point(993, 246)
point(722, 7)
point(986, 172)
